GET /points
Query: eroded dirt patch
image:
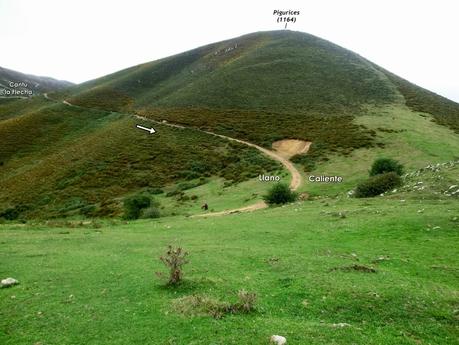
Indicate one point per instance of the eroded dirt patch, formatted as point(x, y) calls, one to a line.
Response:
point(290, 147)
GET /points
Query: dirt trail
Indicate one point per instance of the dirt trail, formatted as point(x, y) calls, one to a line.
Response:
point(53, 100)
point(295, 183)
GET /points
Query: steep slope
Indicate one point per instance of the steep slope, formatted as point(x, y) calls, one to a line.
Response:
point(263, 87)
point(444, 111)
point(280, 70)
point(13, 82)
point(59, 159)
point(65, 160)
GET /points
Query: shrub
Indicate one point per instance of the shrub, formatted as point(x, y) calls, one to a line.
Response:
point(280, 194)
point(174, 192)
point(155, 190)
point(385, 165)
point(197, 305)
point(246, 302)
point(174, 260)
point(200, 305)
point(151, 212)
point(134, 205)
point(377, 185)
point(10, 214)
point(13, 213)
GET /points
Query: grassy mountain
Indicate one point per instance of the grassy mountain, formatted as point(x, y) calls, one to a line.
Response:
point(57, 159)
point(34, 83)
point(265, 86)
point(280, 71)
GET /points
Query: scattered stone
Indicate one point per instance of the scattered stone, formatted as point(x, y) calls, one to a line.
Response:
point(278, 340)
point(8, 282)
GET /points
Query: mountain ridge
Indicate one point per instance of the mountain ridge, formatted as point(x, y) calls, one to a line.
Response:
point(36, 84)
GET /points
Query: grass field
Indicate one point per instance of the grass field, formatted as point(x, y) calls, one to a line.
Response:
point(96, 285)
point(218, 195)
point(410, 137)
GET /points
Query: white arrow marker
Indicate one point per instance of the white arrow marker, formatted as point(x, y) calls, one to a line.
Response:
point(151, 130)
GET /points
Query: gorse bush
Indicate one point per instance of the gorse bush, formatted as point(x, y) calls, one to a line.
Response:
point(174, 260)
point(280, 193)
point(385, 165)
point(133, 206)
point(377, 185)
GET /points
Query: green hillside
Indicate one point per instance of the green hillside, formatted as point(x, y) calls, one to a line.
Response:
point(65, 160)
point(76, 152)
point(263, 87)
point(279, 71)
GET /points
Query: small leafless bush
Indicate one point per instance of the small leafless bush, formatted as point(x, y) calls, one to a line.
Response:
point(174, 260)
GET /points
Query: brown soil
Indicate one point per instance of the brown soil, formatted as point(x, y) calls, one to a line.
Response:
point(290, 147)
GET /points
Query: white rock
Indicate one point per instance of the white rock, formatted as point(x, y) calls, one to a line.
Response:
point(9, 282)
point(341, 325)
point(278, 340)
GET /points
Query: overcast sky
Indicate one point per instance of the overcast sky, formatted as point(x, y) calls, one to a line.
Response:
point(79, 40)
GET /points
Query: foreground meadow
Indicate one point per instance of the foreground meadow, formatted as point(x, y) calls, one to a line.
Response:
point(336, 271)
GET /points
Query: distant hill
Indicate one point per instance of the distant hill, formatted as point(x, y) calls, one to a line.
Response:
point(11, 80)
point(84, 156)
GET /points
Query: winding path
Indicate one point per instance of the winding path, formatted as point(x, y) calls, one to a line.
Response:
point(295, 183)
